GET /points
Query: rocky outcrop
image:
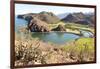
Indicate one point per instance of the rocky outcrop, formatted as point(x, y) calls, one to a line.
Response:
point(20, 16)
point(38, 22)
point(59, 28)
point(28, 18)
point(37, 25)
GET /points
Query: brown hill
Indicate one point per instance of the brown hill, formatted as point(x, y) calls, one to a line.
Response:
point(47, 17)
point(80, 18)
point(74, 17)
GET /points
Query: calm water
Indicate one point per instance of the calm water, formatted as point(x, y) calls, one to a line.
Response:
point(54, 37)
point(19, 23)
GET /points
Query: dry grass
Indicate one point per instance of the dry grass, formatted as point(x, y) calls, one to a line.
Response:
point(29, 51)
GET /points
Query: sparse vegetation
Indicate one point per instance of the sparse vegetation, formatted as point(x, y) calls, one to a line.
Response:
point(78, 27)
point(29, 51)
point(81, 49)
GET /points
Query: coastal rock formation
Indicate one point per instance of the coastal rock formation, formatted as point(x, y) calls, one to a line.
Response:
point(28, 18)
point(59, 28)
point(20, 16)
point(38, 22)
point(37, 25)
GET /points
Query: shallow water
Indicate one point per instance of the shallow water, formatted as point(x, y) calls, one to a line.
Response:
point(87, 33)
point(20, 23)
point(55, 37)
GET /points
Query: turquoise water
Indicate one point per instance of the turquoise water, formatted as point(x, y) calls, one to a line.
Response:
point(19, 23)
point(55, 37)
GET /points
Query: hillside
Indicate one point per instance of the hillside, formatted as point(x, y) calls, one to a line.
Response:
point(48, 17)
point(80, 18)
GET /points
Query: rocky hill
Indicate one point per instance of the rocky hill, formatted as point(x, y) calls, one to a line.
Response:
point(37, 25)
point(47, 17)
point(38, 22)
point(80, 18)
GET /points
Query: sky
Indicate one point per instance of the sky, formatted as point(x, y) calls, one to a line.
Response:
point(29, 8)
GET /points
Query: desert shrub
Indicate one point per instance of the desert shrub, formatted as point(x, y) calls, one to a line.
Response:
point(29, 54)
point(81, 49)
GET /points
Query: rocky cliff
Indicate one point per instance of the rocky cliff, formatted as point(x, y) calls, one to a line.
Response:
point(37, 25)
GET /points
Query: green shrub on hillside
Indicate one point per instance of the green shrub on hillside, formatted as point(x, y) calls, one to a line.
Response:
point(81, 49)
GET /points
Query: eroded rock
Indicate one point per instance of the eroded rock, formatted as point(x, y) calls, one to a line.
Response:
point(37, 25)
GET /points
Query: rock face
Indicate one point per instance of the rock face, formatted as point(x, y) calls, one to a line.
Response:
point(59, 28)
point(37, 25)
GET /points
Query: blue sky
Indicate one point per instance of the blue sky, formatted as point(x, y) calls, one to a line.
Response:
point(26, 8)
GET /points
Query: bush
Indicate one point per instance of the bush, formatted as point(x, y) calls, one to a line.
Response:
point(28, 54)
point(81, 49)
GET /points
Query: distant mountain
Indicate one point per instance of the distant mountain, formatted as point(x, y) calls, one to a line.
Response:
point(89, 14)
point(81, 18)
point(63, 15)
point(91, 18)
point(74, 17)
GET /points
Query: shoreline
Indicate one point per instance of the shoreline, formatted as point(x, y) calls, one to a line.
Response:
point(77, 32)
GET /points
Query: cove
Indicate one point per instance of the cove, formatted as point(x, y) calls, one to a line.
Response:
point(55, 37)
